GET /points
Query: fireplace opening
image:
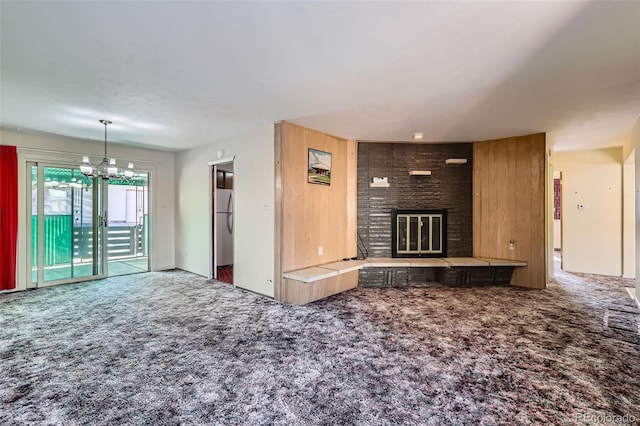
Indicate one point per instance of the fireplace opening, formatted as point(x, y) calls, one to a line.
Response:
point(419, 233)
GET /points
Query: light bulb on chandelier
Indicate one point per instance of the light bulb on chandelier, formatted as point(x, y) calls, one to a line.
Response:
point(107, 169)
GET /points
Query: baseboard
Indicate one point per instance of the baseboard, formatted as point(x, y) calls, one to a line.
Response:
point(165, 268)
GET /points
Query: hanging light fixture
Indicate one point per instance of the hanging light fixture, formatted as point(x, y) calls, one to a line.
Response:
point(107, 169)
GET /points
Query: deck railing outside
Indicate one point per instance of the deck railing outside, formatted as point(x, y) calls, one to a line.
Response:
point(64, 242)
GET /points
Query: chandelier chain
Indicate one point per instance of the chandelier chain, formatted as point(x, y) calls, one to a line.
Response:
point(107, 169)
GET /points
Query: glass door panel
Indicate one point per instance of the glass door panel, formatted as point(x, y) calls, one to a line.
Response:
point(436, 243)
point(63, 244)
point(33, 231)
point(68, 224)
point(425, 234)
point(402, 234)
point(127, 231)
point(413, 233)
point(99, 209)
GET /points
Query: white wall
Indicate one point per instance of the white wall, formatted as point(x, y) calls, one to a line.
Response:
point(254, 222)
point(635, 142)
point(557, 240)
point(629, 217)
point(592, 237)
point(69, 151)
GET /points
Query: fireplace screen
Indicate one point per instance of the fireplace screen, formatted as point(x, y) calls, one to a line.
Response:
point(419, 233)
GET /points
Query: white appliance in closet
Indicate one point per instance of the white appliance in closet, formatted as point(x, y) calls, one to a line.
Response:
point(224, 220)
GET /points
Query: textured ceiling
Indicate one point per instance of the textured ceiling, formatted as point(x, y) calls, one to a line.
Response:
point(179, 74)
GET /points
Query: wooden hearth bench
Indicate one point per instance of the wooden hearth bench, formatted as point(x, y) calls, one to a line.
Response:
point(317, 282)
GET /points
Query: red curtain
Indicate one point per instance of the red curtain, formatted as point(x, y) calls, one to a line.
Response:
point(8, 216)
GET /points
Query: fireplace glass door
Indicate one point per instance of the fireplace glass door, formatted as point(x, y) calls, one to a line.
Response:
point(419, 234)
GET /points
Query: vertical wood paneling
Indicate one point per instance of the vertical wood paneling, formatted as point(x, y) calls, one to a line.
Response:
point(512, 190)
point(301, 293)
point(522, 215)
point(313, 215)
point(480, 203)
point(500, 174)
point(539, 197)
point(350, 240)
point(497, 225)
point(509, 204)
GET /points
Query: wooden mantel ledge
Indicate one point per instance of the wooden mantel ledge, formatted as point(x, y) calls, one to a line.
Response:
point(327, 270)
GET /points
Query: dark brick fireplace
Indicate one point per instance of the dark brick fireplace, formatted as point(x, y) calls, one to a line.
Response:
point(448, 189)
point(419, 233)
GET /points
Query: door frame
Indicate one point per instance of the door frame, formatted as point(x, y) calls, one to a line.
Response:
point(561, 223)
point(213, 231)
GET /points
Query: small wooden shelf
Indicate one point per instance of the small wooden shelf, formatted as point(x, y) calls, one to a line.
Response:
point(420, 172)
point(455, 161)
point(379, 185)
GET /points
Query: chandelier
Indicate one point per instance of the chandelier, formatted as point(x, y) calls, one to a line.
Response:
point(107, 169)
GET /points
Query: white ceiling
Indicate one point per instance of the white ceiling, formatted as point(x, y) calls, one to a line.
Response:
point(179, 74)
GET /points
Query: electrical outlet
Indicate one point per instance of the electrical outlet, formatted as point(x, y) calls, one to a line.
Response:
point(512, 244)
point(320, 251)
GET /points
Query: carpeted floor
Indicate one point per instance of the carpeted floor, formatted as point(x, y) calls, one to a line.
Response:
point(174, 348)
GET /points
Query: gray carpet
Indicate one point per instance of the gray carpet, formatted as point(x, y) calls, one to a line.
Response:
point(174, 348)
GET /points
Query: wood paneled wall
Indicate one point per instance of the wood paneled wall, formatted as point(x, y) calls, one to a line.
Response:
point(509, 203)
point(314, 216)
point(298, 293)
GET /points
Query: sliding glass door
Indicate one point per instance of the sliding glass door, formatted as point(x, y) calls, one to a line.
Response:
point(66, 225)
point(127, 225)
point(85, 228)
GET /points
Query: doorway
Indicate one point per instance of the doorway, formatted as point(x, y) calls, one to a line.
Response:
point(222, 179)
point(557, 219)
point(73, 234)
